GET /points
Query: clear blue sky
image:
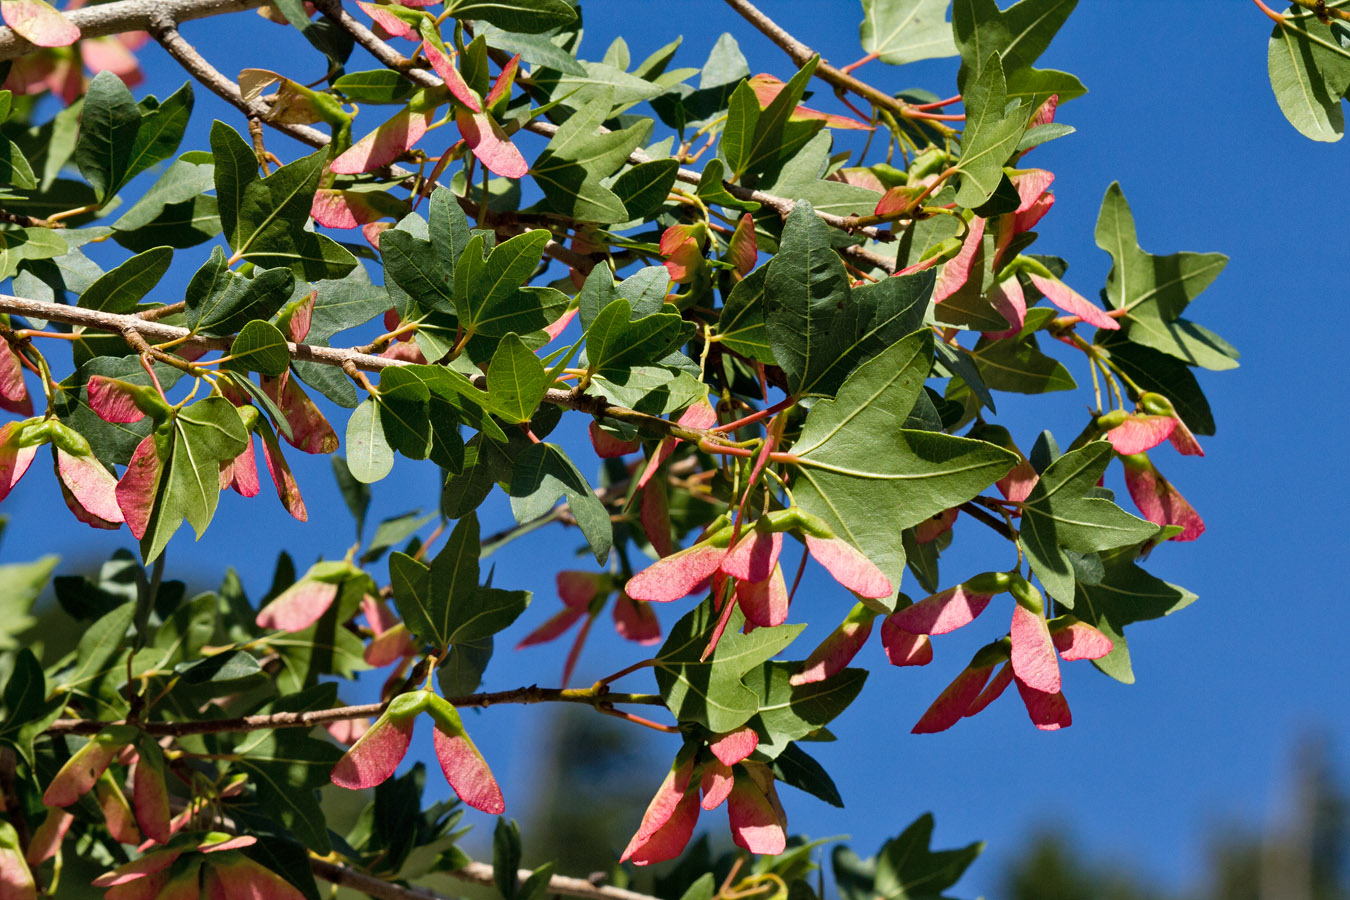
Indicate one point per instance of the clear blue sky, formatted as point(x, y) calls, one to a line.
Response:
point(1180, 112)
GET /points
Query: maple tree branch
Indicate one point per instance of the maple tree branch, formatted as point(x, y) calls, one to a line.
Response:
point(523, 695)
point(163, 26)
point(340, 357)
point(127, 15)
point(475, 873)
point(801, 54)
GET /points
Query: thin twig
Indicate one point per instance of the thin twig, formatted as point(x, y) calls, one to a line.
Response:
point(530, 694)
point(474, 873)
point(127, 15)
point(801, 54)
point(339, 357)
point(163, 25)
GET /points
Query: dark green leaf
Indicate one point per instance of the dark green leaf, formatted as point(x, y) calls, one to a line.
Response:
point(542, 474)
point(120, 290)
point(506, 857)
point(868, 477)
point(517, 381)
point(796, 768)
point(789, 712)
point(527, 16)
point(260, 347)
point(374, 86)
point(819, 328)
point(1061, 514)
point(220, 301)
point(711, 692)
point(643, 189)
point(990, 137)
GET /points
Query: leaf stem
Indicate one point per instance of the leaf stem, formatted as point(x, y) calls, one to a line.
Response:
point(1277, 18)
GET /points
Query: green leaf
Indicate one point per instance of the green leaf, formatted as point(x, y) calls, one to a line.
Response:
point(868, 477)
point(220, 301)
point(411, 265)
point(1019, 34)
point(1162, 374)
point(526, 16)
point(411, 583)
point(624, 90)
point(28, 244)
point(1123, 595)
point(1157, 289)
point(654, 390)
point(260, 347)
point(795, 767)
point(369, 456)
point(108, 128)
point(579, 157)
point(160, 131)
point(264, 218)
point(24, 692)
point(711, 692)
point(1060, 514)
point(776, 138)
point(1309, 72)
point(488, 292)
point(643, 189)
point(443, 604)
point(99, 645)
point(404, 401)
point(28, 710)
point(542, 474)
point(20, 586)
point(178, 225)
point(904, 31)
point(741, 326)
point(615, 341)
point(536, 50)
point(287, 767)
point(120, 290)
point(462, 671)
point(800, 177)
point(788, 713)
point(506, 857)
point(14, 168)
point(819, 328)
point(179, 194)
point(374, 86)
point(200, 436)
point(738, 134)
point(1017, 364)
point(906, 869)
point(517, 381)
point(990, 136)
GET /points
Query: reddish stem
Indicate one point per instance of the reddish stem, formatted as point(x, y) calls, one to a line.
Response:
point(857, 112)
point(1277, 18)
point(939, 104)
point(801, 569)
point(920, 266)
point(154, 379)
point(861, 62)
point(755, 417)
point(638, 720)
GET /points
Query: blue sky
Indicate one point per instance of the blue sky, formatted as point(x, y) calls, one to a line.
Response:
point(1181, 113)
